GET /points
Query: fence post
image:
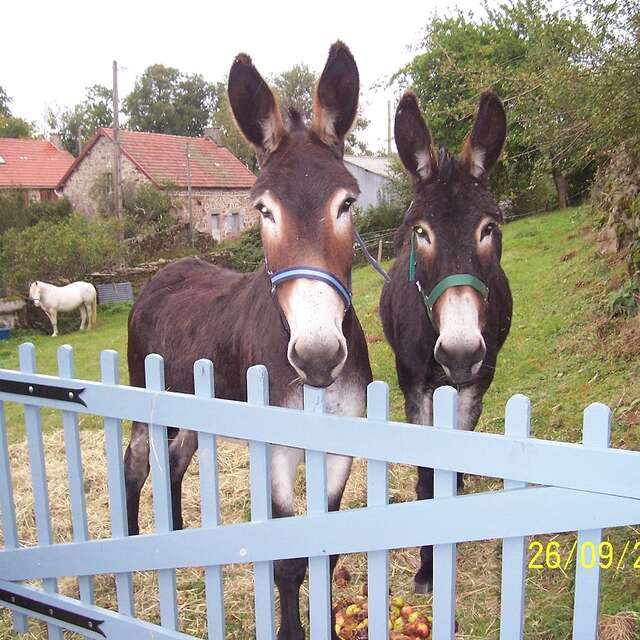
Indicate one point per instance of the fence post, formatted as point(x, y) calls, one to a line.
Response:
point(445, 416)
point(514, 553)
point(378, 496)
point(27, 357)
point(110, 374)
point(203, 382)
point(260, 465)
point(319, 573)
point(74, 470)
point(161, 485)
point(596, 433)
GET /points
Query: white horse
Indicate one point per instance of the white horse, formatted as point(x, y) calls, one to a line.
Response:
point(52, 299)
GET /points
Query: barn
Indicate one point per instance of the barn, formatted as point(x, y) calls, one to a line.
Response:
point(372, 174)
point(220, 183)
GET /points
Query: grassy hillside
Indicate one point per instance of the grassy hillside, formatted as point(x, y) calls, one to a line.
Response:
point(563, 352)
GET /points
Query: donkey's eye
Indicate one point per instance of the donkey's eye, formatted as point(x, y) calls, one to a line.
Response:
point(421, 232)
point(264, 211)
point(345, 206)
point(487, 230)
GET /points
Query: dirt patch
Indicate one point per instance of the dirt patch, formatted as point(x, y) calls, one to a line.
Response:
point(618, 338)
point(569, 256)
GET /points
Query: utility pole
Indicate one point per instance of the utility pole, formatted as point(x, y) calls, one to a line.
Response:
point(189, 193)
point(117, 192)
point(388, 127)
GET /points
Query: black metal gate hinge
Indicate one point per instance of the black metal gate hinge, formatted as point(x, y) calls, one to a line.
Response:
point(51, 392)
point(51, 611)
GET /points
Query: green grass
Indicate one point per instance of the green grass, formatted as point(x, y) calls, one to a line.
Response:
point(562, 352)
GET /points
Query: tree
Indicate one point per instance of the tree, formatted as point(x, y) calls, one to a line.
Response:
point(4, 103)
point(230, 136)
point(164, 100)
point(77, 124)
point(536, 60)
point(295, 89)
point(12, 126)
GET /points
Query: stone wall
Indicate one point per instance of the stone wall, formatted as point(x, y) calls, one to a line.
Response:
point(223, 203)
point(99, 161)
point(616, 199)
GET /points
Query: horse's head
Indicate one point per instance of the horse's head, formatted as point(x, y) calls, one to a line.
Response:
point(34, 293)
point(304, 195)
point(451, 229)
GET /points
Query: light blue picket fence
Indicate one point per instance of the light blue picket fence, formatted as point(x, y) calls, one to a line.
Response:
point(579, 488)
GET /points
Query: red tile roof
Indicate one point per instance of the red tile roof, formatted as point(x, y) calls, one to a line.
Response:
point(32, 164)
point(162, 158)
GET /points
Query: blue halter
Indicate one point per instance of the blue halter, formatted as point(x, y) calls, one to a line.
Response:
point(310, 273)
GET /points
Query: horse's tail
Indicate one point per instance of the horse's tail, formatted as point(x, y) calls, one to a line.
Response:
point(94, 310)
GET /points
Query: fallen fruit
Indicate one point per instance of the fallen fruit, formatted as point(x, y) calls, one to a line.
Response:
point(341, 577)
point(404, 622)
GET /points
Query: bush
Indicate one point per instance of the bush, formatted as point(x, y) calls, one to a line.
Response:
point(58, 251)
point(15, 213)
point(384, 216)
point(243, 253)
point(626, 300)
point(148, 209)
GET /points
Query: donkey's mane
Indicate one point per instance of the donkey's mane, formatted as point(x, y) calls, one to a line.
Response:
point(447, 166)
point(296, 121)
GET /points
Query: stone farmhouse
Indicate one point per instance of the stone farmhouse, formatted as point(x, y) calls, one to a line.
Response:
point(220, 183)
point(33, 166)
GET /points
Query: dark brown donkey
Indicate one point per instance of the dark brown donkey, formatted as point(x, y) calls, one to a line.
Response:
point(447, 309)
point(293, 315)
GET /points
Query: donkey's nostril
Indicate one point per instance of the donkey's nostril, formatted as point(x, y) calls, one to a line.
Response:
point(460, 361)
point(318, 363)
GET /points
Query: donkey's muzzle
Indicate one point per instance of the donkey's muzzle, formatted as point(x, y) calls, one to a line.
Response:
point(461, 363)
point(318, 364)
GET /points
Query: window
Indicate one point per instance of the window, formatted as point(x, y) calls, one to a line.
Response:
point(108, 184)
point(2, 160)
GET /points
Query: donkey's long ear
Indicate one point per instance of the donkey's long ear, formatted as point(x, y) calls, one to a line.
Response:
point(413, 139)
point(484, 143)
point(254, 107)
point(335, 103)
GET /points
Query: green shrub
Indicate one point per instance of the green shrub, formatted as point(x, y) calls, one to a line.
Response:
point(15, 213)
point(148, 209)
point(385, 215)
point(58, 251)
point(243, 253)
point(626, 300)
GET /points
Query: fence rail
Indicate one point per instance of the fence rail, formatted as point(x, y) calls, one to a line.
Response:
point(571, 497)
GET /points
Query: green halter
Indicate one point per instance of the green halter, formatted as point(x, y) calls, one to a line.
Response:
point(455, 280)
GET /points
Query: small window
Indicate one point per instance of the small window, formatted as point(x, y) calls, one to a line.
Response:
point(2, 160)
point(108, 184)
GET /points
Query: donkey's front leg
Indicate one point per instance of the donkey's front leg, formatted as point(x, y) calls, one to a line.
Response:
point(289, 574)
point(338, 470)
point(181, 450)
point(469, 410)
point(136, 470)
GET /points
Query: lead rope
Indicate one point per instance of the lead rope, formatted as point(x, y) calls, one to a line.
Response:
point(370, 259)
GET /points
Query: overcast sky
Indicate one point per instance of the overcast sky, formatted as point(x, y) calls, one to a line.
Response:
point(51, 51)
